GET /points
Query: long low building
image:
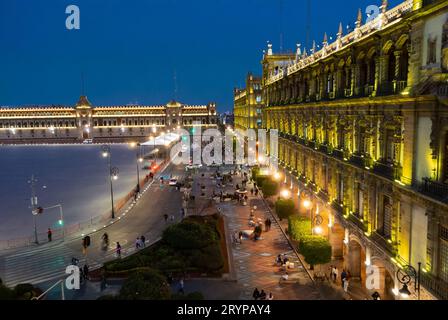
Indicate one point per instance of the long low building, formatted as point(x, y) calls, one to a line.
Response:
point(104, 123)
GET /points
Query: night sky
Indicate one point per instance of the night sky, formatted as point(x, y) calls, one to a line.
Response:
point(129, 50)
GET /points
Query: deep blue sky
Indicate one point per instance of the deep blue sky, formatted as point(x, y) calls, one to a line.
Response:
point(130, 49)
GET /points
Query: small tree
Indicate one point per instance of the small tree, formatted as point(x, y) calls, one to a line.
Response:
point(284, 208)
point(269, 188)
point(299, 227)
point(255, 172)
point(316, 250)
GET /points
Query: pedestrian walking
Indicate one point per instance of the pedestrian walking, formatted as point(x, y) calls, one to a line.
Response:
point(256, 191)
point(49, 234)
point(181, 286)
point(103, 284)
point(335, 273)
point(172, 218)
point(262, 295)
point(256, 294)
point(270, 296)
point(343, 276)
point(165, 216)
point(252, 191)
point(137, 243)
point(118, 250)
point(86, 272)
point(143, 241)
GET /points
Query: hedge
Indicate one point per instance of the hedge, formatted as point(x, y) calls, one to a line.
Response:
point(269, 188)
point(284, 208)
point(147, 285)
point(315, 249)
point(299, 227)
point(189, 235)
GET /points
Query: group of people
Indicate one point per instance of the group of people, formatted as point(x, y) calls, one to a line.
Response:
point(238, 237)
point(257, 295)
point(165, 216)
point(281, 259)
point(345, 277)
point(140, 242)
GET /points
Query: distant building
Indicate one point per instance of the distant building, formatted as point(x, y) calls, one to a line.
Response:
point(248, 104)
point(103, 123)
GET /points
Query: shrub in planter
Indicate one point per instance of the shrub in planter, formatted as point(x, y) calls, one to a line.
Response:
point(189, 235)
point(315, 249)
point(259, 180)
point(269, 188)
point(299, 227)
point(208, 258)
point(284, 208)
point(147, 285)
point(190, 296)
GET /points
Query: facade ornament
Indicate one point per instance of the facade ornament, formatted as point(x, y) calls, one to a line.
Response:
point(298, 52)
point(358, 23)
point(269, 49)
point(339, 39)
point(324, 45)
point(445, 47)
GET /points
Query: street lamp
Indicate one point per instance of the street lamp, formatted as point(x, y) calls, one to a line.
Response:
point(286, 194)
point(405, 276)
point(139, 159)
point(113, 174)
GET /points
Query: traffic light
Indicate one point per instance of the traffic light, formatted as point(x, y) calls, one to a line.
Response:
point(40, 210)
point(61, 222)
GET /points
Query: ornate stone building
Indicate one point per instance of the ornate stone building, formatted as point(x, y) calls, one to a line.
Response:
point(102, 123)
point(363, 126)
point(248, 104)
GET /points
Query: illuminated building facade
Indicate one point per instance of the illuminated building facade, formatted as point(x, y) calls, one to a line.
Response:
point(363, 125)
point(103, 123)
point(248, 104)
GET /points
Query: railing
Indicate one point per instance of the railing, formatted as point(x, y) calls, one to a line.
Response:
point(368, 90)
point(436, 286)
point(400, 86)
point(387, 88)
point(434, 189)
point(92, 224)
point(383, 242)
point(337, 206)
point(347, 93)
point(387, 170)
point(338, 153)
point(442, 90)
point(358, 161)
point(357, 221)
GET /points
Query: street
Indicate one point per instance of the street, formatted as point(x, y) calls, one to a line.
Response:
point(48, 261)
